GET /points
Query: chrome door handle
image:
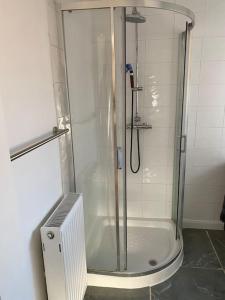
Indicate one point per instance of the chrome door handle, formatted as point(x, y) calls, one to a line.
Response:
point(119, 158)
point(183, 144)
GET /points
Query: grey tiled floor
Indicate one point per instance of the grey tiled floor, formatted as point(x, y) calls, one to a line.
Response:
point(218, 239)
point(94, 293)
point(202, 276)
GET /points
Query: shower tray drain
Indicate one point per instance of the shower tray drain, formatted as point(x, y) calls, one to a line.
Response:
point(152, 262)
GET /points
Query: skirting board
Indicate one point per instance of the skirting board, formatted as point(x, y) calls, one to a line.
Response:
point(203, 224)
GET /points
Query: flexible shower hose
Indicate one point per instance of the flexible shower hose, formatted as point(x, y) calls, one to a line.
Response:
point(131, 140)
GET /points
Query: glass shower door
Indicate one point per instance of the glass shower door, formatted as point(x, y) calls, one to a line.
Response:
point(90, 55)
point(119, 29)
point(181, 130)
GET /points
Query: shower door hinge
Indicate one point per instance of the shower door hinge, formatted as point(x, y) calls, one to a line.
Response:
point(119, 158)
point(183, 144)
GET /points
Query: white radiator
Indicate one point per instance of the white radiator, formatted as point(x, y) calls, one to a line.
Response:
point(64, 250)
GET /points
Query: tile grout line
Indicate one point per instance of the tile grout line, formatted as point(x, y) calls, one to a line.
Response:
point(207, 233)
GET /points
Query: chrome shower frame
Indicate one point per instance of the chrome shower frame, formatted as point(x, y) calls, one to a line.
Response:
point(112, 5)
point(71, 5)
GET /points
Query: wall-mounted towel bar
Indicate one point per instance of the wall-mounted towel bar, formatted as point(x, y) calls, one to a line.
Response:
point(17, 153)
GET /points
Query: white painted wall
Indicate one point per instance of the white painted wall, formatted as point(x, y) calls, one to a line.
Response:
point(11, 250)
point(30, 186)
point(26, 66)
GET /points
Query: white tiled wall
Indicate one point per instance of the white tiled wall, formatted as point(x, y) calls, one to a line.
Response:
point(150, 191)
point(205, 180)
point(56, 43)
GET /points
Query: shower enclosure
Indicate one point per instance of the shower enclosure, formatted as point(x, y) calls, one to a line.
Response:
point(127, 70)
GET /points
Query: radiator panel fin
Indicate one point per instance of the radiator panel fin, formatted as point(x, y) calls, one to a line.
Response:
point(62, 211)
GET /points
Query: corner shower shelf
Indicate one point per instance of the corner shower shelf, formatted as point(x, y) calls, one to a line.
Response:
point(18, 152)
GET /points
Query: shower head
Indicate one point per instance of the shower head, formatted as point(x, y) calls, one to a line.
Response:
point(135, 17)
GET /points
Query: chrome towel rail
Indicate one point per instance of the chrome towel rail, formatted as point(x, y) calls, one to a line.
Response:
point(17, 153)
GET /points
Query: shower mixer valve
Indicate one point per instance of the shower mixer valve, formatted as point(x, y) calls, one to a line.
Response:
point(139, 125)
point(137, 89)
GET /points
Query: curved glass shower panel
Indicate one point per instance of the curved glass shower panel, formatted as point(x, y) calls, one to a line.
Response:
point(156, 109)
point(89, 68)
point(181, 128)
point(127, 77)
